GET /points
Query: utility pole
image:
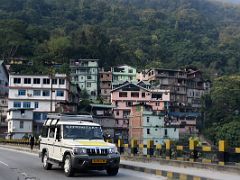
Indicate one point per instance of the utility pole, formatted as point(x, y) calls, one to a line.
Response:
point(51, 89)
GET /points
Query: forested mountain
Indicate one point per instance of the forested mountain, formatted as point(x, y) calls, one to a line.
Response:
point(230, 1)
point(144, 33)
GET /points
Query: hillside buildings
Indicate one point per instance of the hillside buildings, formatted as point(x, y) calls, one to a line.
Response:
point(103, 115)
point(105, 79)
point(146, 124)
point(129, 94)
point(20, 122)
point(84, 72)
point(122, 74)
point(39, 92)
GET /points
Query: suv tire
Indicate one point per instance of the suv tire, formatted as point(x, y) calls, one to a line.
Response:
point(112, 171)
point(46, 165)
point(67, 167)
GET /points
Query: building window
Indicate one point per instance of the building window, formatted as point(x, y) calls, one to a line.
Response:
point(130, 71)
point(129, 103)
point(117, 113)
point(36, 105)
point(36, 81)
point(17, 104)
point(21, 124)
point(93, 93)
point(88, 84)
point(17, 80)
point(89, 77)
point(27, 104)
point(27, 80)
point(157, 103)
point(61, 81)
point(122, 94)
point(46, 81)
point(148, 131)
point(165, 132)
point(36, 92)
point(134, 94)
point(148, 119)
point(54, 81)
point(143, 95)
point(21, 92)
point(60, 93)
point(46, 93)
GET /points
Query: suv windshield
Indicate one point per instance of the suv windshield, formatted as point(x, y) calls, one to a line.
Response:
point(82, 132)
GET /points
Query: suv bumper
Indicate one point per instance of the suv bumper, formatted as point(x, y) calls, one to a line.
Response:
point(85, 162)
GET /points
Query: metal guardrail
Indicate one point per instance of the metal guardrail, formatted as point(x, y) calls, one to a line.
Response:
point(221, 155)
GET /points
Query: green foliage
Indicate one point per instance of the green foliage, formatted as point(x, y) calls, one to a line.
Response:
point(164, 33)
point(222, 111)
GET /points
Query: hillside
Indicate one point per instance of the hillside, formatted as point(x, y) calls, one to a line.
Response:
point(143, 33)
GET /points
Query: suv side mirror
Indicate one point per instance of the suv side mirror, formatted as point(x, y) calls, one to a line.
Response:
point(106, 136)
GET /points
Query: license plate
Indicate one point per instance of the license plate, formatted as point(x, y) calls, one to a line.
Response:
point(99, 161)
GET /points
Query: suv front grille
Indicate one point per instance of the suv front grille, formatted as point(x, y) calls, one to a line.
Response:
point(97, 152)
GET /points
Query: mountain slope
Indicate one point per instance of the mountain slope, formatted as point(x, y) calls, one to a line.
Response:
point(146, 33)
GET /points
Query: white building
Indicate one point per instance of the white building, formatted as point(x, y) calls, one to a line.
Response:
point(3, 98)
point(84, 72)
point(40, 92)
point(20, 122)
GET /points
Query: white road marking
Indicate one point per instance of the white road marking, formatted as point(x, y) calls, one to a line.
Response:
point(4, 163)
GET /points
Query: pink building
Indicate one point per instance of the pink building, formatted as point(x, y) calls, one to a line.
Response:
point(130, 94)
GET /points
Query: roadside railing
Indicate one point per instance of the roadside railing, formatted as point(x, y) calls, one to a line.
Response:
point(18, 142)
point(221, 154)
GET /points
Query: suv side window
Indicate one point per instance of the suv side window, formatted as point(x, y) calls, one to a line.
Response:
point(58, 133)
point(44, 133)
point(52, 131)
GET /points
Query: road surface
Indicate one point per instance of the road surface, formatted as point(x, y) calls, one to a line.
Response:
point(17, 165)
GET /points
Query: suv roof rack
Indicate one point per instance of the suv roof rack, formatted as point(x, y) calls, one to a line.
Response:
point(56, 117)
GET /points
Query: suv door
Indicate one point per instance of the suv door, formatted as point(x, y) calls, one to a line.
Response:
point(57, 149)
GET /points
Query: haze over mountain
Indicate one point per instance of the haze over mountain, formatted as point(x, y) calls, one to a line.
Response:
point(143, 33)
point(230, 1)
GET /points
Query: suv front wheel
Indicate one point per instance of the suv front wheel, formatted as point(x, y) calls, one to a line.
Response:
point(46, 164)
point(112, 171)
point(68, 169)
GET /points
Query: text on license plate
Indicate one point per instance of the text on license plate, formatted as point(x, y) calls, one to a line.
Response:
point(99, 161)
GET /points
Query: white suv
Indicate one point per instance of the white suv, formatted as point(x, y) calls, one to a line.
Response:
point(74, 142)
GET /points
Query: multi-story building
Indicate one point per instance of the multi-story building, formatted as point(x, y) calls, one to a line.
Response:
point(40, 92)
point(195, 89)
point(103, 115)
point(145, 124)
point(84, 72)
point(105, 79)
point(173, 80)
point(3, 98)
point(123, 73)
point(125, 96)
point(20, 122)
point(186, 89)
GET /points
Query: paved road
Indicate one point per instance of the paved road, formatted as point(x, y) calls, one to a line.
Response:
point(15, 165)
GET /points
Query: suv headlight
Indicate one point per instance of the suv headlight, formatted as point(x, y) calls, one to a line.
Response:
point(78, 151)
point(113, 150)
